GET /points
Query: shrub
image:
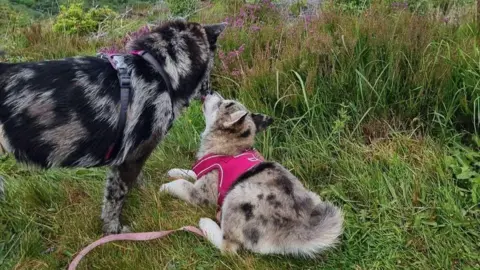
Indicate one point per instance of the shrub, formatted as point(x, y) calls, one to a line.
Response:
point(11, 16)
point(74, 20)
point(297, 7)
point(182, 8)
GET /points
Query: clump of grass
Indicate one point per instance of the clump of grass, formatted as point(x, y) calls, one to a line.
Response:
point(384, 62)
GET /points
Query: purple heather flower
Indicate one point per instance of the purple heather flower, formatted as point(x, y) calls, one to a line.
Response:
point(221, 54)
point(241, 49)
point(239, 23)
point(232, 54)
point(255, 28)
point(400, 5)
point(236, 72)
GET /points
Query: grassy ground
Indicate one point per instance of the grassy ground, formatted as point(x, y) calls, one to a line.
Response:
point(373, 109)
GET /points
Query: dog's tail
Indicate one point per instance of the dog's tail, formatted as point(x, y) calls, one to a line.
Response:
point(320, 230)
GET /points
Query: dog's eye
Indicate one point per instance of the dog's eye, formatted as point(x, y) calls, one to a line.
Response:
point(229, 105)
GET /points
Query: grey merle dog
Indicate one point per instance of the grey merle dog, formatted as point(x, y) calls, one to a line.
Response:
point(266, 209)
point(65, 113)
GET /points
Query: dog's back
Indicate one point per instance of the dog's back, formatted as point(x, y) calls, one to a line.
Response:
point(60, 112)
point(269, 211)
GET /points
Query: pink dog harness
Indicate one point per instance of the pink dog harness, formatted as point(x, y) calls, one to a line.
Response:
point(229, 168)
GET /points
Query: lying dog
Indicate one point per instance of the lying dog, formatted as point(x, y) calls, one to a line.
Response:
point(264, 208)
point(66, 113)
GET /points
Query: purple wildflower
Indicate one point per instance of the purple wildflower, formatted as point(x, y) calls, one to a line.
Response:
point(130, 36)
point(236, 72)
point(400, 5)
point(255, 28)
point(240, 49)
point(239, 23)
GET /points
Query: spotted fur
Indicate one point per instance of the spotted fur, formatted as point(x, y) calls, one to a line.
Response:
point(267, 209)
point(64, 113)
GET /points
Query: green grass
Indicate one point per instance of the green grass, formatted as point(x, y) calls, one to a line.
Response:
point(366, 116)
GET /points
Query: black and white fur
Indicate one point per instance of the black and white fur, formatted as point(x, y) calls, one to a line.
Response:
point(267, 210)
point(64, 113)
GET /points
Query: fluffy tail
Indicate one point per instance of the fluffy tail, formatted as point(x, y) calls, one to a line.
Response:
point(320, 231)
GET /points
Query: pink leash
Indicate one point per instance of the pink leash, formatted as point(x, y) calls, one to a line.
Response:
point(144, 236)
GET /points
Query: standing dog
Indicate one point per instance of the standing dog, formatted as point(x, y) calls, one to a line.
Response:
point(65, 113)
point(264, 208)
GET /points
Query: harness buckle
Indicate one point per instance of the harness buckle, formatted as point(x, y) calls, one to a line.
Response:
point(124, 78)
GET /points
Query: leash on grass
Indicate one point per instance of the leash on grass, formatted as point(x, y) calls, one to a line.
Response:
point(143, 236)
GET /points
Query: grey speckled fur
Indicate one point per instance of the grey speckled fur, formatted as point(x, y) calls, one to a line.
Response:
point(267, 210)
point(64, 113)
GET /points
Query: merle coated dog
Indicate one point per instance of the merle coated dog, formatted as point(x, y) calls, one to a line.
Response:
point(266, 209)
point(68, 113)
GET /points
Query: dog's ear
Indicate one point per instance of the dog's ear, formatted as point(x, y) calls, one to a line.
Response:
point(236, 118)
point(261, 121)
point(213, 31)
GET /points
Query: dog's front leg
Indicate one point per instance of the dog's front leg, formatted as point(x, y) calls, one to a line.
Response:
point(181, 189)
point(120, 180)
point(182, 174)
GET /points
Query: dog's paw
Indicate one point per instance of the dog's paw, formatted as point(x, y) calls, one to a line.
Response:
point(211, 231)
point(164, 188)
point(115, 228)
point(182, 174)
point(207, 226)
point(126, 229)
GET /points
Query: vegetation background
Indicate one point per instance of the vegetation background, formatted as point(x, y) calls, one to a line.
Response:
point(377, 108)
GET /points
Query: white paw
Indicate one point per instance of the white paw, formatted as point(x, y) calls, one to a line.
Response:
point(178, 188)
point(211, 231)
point(207, 226)
point(164, 188)
point(126, 229)
point(181, 174)
point(115, 228)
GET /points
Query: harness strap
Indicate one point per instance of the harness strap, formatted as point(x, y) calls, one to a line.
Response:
point(144, 236)
point(123, 73)
point(150, 59)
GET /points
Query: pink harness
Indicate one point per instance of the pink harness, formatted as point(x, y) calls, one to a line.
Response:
point(229, 169)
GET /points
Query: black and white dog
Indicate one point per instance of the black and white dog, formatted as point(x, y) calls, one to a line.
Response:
point(71, 112)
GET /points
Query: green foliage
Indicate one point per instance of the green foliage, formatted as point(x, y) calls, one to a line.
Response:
point(365, 109)
point(74, 20)
point(352, 5)
point(12, 17)
point(465, 165)
point(419, 6)
point(297, 6)
point(182, 8)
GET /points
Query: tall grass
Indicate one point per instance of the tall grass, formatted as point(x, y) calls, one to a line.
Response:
point(383, 63)
point(367, 106)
